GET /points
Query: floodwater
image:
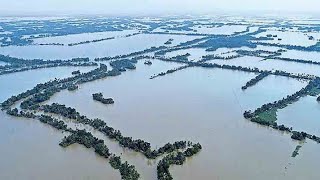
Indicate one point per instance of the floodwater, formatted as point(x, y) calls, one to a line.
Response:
point(197, 104)
point(221, 51)
point(288, 38)
point(202, 29)
point(112, 47)
point(303, 55)
point(29, 149)
point(223, 30)
point(201, 105)
point(296, 116)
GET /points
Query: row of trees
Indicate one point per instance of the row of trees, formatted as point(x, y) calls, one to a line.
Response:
point(177, 158)
point(255, 70)
point(8, 69)
point(170, 71)
point(182, 57)
point(127, 171)
point(50, 44)
point(123, 64)
point(152, 49)
point(43, 91)
point(214, 56)
point(231, 67)
point(19, 65)
point(313, 88)
point(259, 53)
point(255, 80)
point(58, 124)
point(92, 41)
point(137, 145)
point(181, 46)
point(32, 62)
point(99, 40)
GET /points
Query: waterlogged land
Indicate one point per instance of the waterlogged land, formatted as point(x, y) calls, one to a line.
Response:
point(158, 98)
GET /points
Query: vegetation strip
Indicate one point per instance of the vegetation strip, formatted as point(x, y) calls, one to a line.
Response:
point(275, 56)
point(99, 40)
point(170, 71)
point(20, 65)
point(99, 97)
point(177, 158)
point(232, 67)
point(128, 172)
point(258, 116)
point(255, 80)
point(127, 142)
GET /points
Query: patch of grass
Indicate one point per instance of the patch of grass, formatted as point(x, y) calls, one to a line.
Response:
point(269, 116)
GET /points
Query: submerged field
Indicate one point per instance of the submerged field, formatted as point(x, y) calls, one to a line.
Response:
point(182, 98)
